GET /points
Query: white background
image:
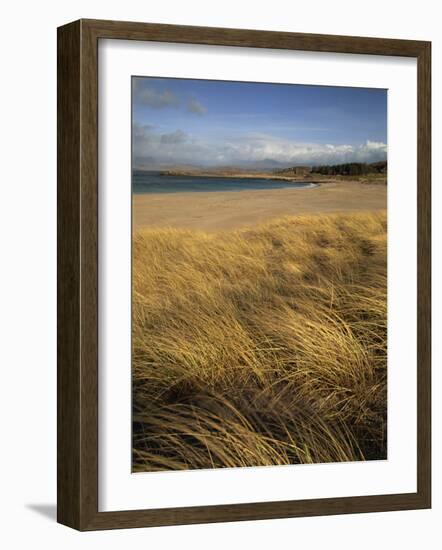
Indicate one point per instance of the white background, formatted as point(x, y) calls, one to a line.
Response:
point(118, 488)
point(27, 300)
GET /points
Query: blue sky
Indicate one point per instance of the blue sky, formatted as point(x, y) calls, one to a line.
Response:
point(214, 123)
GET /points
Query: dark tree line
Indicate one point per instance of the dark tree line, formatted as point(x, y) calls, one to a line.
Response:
point(351, 169)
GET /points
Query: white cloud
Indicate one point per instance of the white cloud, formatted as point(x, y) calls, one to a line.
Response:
point(180, 148)
point(261, 147)
point(375, 145)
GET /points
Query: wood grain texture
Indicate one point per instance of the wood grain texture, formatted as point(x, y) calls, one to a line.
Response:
point(252, 38)
point(68, 276)
point(78, 274)
point(424, 275)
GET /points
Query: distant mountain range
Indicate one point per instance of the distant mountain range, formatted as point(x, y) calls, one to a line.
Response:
point(271, 166)
point(267, 165)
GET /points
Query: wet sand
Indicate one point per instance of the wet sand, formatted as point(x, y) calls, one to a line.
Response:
point(225, 210)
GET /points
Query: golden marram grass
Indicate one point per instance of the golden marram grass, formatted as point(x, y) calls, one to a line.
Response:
point(261, 346)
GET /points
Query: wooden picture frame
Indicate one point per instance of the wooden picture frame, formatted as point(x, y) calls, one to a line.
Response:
point(78, 274)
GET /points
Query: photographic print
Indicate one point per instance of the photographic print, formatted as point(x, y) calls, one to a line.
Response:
point(259, 274)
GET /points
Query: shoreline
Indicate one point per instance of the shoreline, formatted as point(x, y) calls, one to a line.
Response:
point(306, 185)
point(238, 175)
point(307, 177)
point(225, 210)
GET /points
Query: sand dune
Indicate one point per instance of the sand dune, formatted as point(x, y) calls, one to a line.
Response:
point(260, 347)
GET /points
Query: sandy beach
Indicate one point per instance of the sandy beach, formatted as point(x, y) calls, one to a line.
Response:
point(226, 210)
